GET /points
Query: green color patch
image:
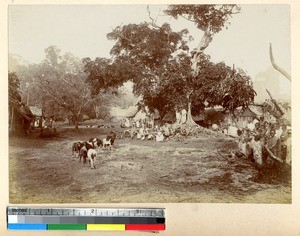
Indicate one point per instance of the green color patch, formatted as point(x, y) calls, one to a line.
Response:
point(66, 227)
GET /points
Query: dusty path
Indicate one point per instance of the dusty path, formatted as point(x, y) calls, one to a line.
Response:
point(43, 171)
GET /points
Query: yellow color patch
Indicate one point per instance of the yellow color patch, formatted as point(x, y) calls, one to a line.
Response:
point(105, 227)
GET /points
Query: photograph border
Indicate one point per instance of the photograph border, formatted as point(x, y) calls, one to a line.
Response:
point(181, 218)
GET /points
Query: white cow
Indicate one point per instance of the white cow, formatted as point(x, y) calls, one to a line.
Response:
point(91, 155)
point(107, 143)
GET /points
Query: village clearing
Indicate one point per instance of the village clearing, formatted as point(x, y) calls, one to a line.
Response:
point(194, 170)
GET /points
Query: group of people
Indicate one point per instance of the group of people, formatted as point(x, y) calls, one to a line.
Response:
point(157, 133)
point(266, 143)
point(138, 123)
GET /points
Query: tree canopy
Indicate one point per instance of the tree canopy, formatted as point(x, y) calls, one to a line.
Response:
point(212, 17)
point(166, 74)
point(14, 96)
point(57, 84)
point(160, 63)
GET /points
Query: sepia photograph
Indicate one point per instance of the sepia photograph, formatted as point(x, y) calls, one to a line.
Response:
point(139, 103)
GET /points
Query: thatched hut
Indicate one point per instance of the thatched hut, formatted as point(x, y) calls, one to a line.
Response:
point(170, 117)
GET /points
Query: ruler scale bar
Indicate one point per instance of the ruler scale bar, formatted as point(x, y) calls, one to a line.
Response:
point(84, 220)
point(26, 218)
point(151, 212)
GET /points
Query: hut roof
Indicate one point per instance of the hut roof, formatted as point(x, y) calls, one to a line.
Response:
point(131, 113)
point(250, 111)
point(198, 117)
point(170, 116)
point(36, 111)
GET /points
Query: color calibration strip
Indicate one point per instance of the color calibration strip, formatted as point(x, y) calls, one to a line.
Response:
point(23, 218)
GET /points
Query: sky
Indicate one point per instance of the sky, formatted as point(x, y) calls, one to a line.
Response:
point(82, 30)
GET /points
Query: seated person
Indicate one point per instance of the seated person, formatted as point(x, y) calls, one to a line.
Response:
point(133, 131)
point(140, 133)
point(159, 137)
point(166, 131)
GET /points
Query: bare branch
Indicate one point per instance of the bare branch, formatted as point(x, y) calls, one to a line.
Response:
point(188, 19)
point(153, 21)
point(282, 71)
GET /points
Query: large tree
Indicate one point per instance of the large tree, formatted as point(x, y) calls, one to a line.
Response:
point(210, 19)
point(60, 80)
point(165, 74)
point(144, 51)
point(215, 84)
point(159, 63)
point(14, 97)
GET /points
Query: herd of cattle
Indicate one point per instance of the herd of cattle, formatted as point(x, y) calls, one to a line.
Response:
point(88, 150)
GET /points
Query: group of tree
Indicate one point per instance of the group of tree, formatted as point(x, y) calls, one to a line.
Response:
point(166, 74)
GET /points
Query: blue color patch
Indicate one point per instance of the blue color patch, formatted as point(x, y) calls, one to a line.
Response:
point(27, 226)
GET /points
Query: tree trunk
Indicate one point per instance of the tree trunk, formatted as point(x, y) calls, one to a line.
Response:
point(76, 122)
point(206, 39)
point(96, 109)
point(189, 118)
point(41, 121)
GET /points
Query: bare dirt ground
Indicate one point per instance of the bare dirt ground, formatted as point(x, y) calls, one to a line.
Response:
point(134, 171)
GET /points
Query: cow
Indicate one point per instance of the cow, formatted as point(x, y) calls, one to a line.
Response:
point(91, 155)
point(76, 148)
point(83, 154)
point(83, 151)
point(109, 140)
point(107, 143)
point(97, 143)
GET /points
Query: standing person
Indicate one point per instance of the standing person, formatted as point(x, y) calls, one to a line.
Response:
point(251, 125)
point(272, 141)
point(127, 123)
point(166, 131)
point(178, 116)
point(257, 130)
point(183, 116)
point(132, 131)
point(246, 141)
point(53, 124)
point(240, 141)
point(288, 143)
point(141, 133)
point(256, 146)
point(137, 124)
point(261, 121)
point(273, 146)
point(278, 130)
point(266, 130)
point(44, 123)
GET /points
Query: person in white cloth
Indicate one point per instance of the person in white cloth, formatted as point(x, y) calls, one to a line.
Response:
point(183, 116)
